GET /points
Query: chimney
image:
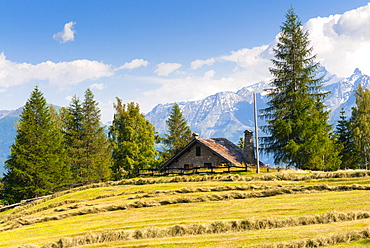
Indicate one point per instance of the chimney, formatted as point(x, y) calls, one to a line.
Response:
point(248, 150)
point(195, 135)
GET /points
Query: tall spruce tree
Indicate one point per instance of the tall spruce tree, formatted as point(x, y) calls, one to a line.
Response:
point(295, 116)
point(88, 150)
point(97, 149)
point(360, 126)
point(71, 118)
point(179, 133)
point(132, 138)
point(36, 163)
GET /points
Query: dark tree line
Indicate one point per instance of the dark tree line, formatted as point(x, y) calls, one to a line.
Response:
point(54, 148)
point(353, 134)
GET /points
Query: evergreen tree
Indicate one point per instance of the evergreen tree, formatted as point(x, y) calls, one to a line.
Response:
point(89, 155)
point(345, 143)
point(295, 116)
point(179, 133)
point(71, 117)
point(97, 150)
point(36, 163)
point(360, 126)
point(132, 138)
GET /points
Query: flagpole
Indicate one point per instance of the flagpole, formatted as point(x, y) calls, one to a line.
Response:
point(256, 132)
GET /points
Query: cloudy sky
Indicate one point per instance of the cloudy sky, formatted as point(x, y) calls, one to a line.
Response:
point(161, 51)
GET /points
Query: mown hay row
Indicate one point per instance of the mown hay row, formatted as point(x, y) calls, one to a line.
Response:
point(213, 228)
point(324, 241)
point(180, 200)
point(17, 215)
point(153, 193)
point(273, 190)
point(279, 176)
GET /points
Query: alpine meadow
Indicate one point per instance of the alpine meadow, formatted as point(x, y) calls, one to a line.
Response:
point(74, 179)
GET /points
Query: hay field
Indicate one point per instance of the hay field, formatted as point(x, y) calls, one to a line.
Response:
point(286, 209)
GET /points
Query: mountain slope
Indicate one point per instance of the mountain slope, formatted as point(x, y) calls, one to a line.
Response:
point(8, 120)
point(225, 114)
point(228, 114)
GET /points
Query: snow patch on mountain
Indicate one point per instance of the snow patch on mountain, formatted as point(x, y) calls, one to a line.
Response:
point(227, 114)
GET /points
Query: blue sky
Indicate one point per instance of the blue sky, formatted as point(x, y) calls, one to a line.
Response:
point(155, 52)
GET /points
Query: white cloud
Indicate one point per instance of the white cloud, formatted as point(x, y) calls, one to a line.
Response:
point(165, 69)
point(199, 63)
point(190, 87)
point(254, 63)
point(246, 58)
point(342, 42)
point(62, 73)
point(97, 86)
point(68, 34)
point(209, 74)
point(136, 63)
point(185, 89)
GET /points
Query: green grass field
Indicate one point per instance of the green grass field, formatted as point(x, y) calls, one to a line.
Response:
point(265, 210)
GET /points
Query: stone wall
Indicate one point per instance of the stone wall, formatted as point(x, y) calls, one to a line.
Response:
point(190, 159)
point(248, 151)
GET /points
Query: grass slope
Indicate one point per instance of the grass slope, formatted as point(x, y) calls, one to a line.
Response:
point(266, 210)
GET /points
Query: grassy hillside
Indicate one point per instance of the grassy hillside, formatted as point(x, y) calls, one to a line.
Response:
point(267, 210)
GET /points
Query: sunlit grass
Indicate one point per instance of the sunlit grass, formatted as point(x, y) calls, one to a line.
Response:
point(277, 207)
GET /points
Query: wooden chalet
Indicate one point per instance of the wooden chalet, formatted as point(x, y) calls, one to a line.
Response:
point(212, 153)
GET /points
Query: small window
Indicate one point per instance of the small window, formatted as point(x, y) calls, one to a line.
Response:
point(208, 165)
point(197, 151)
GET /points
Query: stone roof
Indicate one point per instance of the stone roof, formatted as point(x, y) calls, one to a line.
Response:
point(224, 148)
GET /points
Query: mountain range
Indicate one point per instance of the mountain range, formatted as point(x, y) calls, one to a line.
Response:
point(225, 114)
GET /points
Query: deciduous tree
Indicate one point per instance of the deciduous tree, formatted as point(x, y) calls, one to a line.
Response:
point(360, 126)
point(132, 138)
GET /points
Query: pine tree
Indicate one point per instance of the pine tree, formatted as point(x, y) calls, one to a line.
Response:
point(89, 155)
point(132, 138)
point(97, 154)
point(36, 163)
point(295, 116)
point(71, 117)
point(179, 133)
point(360, 126)
point(345, 143)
